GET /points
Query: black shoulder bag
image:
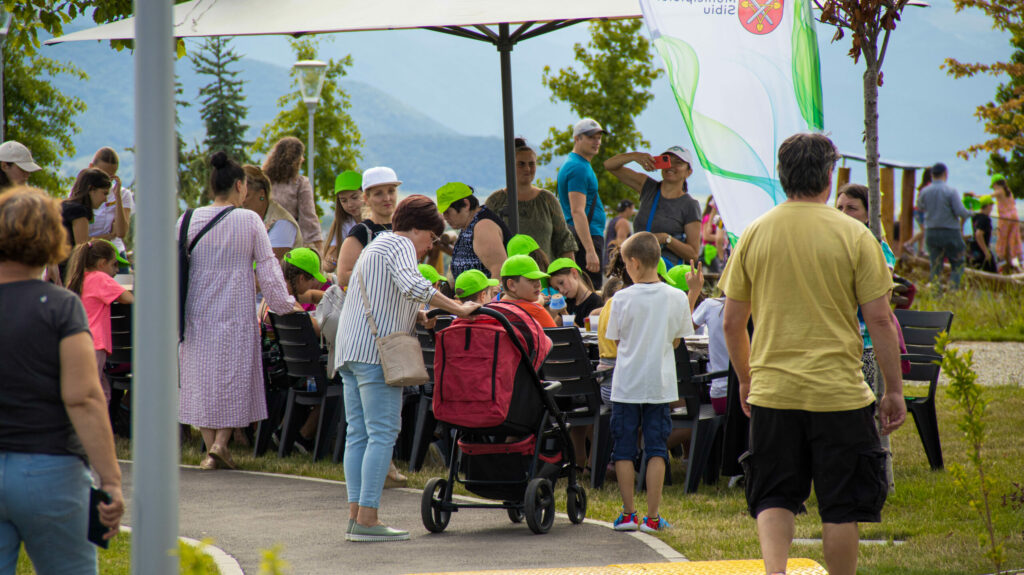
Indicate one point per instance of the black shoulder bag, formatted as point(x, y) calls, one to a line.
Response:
point(184, 259)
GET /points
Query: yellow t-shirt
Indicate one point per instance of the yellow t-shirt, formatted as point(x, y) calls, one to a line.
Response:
point(606, 348)
point(805, 267)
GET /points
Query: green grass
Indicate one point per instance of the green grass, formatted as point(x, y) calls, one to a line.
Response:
point(980, 314)
point(926, 511)
point(116, 560)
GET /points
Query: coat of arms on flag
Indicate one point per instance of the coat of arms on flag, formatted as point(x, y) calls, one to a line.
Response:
point(760, 16)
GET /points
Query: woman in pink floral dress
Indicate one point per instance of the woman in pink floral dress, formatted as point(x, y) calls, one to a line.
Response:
point(1008, 242)
point(221, 382)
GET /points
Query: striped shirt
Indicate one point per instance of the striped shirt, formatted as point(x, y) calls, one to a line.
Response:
point(396, 290)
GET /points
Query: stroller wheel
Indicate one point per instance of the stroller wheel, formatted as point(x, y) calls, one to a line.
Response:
point(540, 505)
point(434, 518)
point(515, 515)
point(576, 503)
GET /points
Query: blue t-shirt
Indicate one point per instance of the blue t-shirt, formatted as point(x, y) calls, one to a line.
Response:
point(577, 175)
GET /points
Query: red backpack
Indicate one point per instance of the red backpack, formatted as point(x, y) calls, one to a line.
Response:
point(476, 365)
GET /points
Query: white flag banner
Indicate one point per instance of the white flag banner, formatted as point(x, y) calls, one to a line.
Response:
point(746, 76)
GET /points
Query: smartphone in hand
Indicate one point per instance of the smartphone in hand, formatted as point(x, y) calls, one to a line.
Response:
point(96, 529)
point(662, 162)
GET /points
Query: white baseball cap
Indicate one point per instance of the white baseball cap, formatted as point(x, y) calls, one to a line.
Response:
point(681, 153)
point(587, 126)
point(379, 175)
point(18, 154)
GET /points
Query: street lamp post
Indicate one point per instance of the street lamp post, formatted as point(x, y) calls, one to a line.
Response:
point(311, 81)
point(5, 26)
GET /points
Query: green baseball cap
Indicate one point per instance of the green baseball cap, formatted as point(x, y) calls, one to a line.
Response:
point(561, 264)
point(117, 255)
point(306, 260)
point(348, 181)
point(996, 178)
point(663, 273)
point(986, 201)
point(450, 193)
point(678, 276)
point(428, 271)
point(470, 282)
point(521, 245)
point(970, 202)
point(522, 266)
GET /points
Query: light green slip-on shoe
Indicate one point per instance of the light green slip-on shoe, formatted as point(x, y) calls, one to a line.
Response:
point(348, 532)
point(377, 533)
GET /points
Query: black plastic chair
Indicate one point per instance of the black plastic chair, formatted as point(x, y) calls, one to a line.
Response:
point(698, 416)
point(580, 395)
point(920, 329)
point(119, 367)
point(424, 422)
point(303, 358)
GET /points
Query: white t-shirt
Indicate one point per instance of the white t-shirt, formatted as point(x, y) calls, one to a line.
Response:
point(282, 234)
point(710, 313)
point(645, 320)
point(103, 216)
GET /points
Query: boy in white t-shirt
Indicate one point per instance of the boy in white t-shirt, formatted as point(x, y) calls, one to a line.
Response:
point(648, 321)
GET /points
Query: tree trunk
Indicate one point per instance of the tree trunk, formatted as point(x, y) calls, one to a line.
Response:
point(871, 139)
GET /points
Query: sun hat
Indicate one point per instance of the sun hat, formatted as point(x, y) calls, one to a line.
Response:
point(563, 263)
point(678, 276)
point(681, 153)
point(18, 154)
point(451, 193)
point(347, 181)
point(985, 201)
point(587, 126)
point(663, 273)
point(428, 271)
point(117, 255)
point(995, 177)
point(521, 245)
point(522, 266)
point(378, 176)
point(470, 282)
point(306, 260)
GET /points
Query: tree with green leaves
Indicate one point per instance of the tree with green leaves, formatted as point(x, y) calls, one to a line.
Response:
point(871, 22)
point(337, 137)
point(1004, 116)
point(613, 88)
point(223, 109)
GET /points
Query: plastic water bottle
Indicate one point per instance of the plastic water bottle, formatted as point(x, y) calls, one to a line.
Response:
point(311, 384)
point(557, 302)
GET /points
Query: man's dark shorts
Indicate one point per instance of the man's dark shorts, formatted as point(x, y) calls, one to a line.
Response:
point(581, 257)
point(840, 451)
point(629, 419)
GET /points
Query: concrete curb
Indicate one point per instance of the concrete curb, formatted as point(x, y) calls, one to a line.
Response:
point(226, 564)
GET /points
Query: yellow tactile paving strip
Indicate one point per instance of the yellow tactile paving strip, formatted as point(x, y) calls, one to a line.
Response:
point(741, 567)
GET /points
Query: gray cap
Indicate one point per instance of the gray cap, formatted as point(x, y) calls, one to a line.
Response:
point(18, 154)
point(587, 126)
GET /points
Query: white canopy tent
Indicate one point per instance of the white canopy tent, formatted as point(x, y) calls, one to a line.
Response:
point(155, 397)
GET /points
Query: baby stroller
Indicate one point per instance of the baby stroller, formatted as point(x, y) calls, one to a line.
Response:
point(510, 442)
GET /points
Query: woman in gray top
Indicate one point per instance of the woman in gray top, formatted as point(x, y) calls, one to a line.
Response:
point(666, 209)
point(396, 292)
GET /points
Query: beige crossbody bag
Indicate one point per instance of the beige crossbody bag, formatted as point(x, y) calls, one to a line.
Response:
point(400, 355)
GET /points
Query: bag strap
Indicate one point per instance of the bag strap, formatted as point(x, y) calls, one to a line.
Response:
point(209, 226)
point(370, 234)
point(654, 208)
point(183, 232)
point(366, 304)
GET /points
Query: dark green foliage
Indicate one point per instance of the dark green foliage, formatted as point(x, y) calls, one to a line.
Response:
point(223, 109)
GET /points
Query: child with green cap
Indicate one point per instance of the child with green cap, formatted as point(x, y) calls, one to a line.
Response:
point(348, 211)
point(520, 285)
point(430, 273)
point(473, 285)
point(580, 298)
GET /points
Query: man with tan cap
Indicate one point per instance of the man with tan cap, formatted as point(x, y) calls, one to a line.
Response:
point(16, 164)
point(580, 200)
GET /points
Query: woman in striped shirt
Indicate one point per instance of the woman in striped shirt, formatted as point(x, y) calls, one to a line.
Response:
point(396, 291)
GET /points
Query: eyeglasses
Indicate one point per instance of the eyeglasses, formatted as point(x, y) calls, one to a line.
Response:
point(434, 239)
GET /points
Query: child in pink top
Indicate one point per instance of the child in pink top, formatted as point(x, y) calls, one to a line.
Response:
point(90, 274)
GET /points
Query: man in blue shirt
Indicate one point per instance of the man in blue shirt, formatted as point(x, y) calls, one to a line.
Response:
point(581, 204)
point(944, 213)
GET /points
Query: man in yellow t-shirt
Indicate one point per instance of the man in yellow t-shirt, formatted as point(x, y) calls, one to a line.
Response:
point(801, 270)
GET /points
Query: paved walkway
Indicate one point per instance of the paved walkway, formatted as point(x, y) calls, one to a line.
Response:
point(244, 512)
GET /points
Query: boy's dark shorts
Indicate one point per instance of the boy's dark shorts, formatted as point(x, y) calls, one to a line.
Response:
point(838, 450)
point(655, 419)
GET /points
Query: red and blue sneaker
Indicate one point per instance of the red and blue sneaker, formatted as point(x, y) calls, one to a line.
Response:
point(654, 525)
point(626, 521)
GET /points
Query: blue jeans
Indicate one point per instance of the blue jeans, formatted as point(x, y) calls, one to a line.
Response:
point(948, 243)
point(373, 410)
point(44, 501)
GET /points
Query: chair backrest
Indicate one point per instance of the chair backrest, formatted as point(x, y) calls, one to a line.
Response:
point(300, 347)
point(121, 333)
point(426, 339)
point(920, 328)
point(569, 363)
point(689, 391)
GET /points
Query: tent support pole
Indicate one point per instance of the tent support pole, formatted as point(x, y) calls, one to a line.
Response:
point(155, 391)
point(505, 45)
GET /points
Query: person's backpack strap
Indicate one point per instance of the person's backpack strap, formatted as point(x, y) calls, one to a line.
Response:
point(184, 256)
point(369, 233)
point(183, 232)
